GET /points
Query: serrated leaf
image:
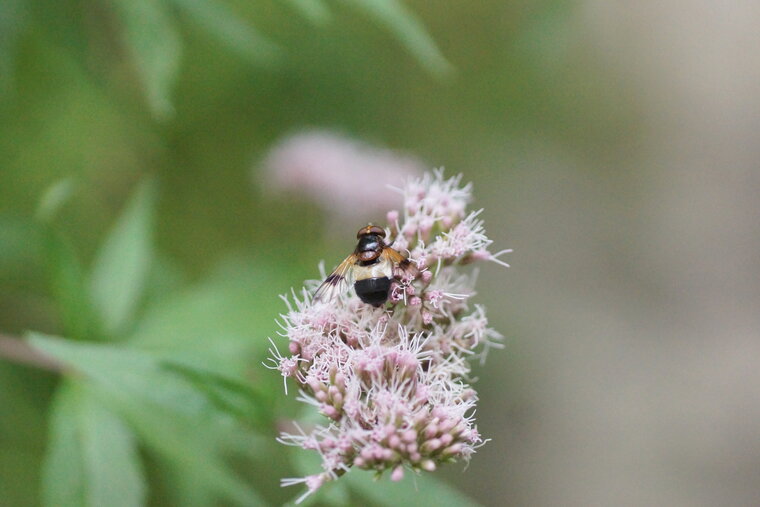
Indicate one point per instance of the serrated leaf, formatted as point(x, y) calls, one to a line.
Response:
point(421, 489)
point(224, 25)
point(123, 262)
point(409, 30)
point(92, 458)
point(155, 47)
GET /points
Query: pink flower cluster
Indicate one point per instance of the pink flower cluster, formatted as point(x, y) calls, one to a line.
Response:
point(392, 382)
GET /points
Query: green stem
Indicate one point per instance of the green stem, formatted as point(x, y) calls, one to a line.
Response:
point(18, 351)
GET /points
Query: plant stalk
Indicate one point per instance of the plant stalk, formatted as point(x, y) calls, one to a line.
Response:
point(16, 350)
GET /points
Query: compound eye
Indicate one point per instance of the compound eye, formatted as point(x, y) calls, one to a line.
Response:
point(377, 230)
point(371, 229)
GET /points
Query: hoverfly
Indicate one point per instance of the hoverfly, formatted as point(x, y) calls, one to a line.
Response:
point(371, 267)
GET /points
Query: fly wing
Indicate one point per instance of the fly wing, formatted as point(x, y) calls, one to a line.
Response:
point(337, 281)
point(403, 268)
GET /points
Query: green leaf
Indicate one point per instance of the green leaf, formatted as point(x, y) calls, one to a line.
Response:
point(24, 401)
point(92, 458)
point(224, 25)
point(315, 11)
point(228, 395)
point(155, 47)
point(181, 489)
point(409, 30)
point(138, 375)
point(165, 279)
point(422, 489)
point(190, 447)
point(54, 198)
point(174, 419)
point(211, 399)
point(66, 277)
point(69, 287)
point(123, 262)
point(186, 490)
point(127, 373)
point(221, 323)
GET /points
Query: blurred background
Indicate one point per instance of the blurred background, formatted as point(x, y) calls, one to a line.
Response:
point(613, 145)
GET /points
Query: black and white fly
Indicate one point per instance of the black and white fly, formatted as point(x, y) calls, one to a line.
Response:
point(371, 268)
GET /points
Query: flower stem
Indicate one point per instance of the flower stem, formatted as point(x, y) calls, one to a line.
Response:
point(18, 351)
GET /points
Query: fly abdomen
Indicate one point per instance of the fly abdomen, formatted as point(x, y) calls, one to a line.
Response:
point(373, 291)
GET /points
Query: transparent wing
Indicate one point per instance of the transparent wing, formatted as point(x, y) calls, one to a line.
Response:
point(393, 255)
point(402, 267)
point(336, 282)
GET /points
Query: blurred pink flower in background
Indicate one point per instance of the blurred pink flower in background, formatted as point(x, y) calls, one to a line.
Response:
point(347, 177)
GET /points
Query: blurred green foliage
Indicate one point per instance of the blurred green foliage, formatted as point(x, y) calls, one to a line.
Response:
point(130, 227)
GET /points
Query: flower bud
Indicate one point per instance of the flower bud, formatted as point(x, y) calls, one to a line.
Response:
point(410, 436)
point(428, 465)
